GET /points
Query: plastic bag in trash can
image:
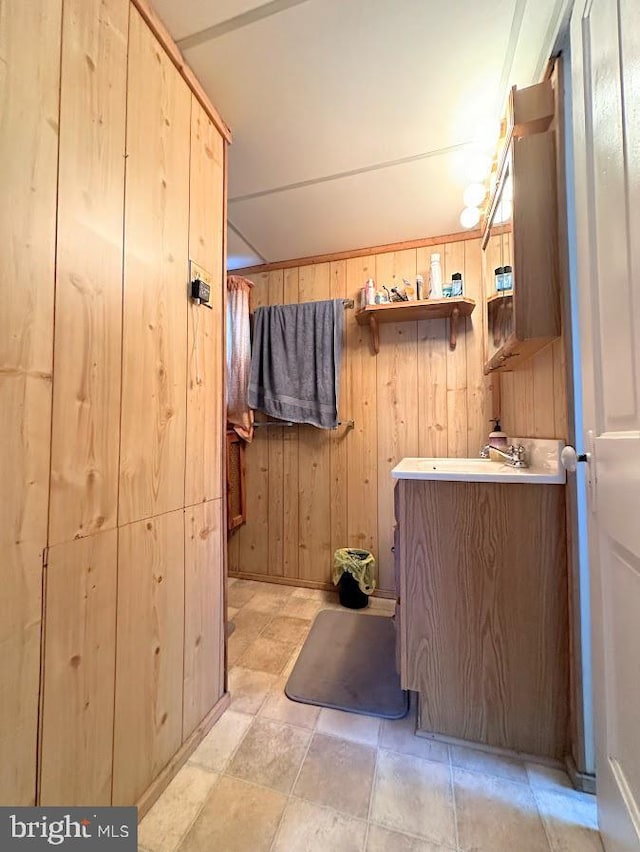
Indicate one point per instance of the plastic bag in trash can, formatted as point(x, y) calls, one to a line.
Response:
point(361, 564)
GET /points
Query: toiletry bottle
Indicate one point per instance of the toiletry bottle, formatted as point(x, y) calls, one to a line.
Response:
point(498, 439)
point(420, 294)
point(436, 277)
point(507, 278)
point(499, 274)
point(456, 281)
point(371, 292)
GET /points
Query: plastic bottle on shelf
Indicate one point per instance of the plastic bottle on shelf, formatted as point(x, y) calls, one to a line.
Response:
point(371, 292)
point(499, 277)
point(436, 277)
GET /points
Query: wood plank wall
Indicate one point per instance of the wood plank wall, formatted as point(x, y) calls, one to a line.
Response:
point(111, 388)
point(310, 492)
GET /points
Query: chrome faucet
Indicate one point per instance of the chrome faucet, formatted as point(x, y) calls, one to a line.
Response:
point(514, 456)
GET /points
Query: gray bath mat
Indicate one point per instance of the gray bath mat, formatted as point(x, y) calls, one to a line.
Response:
point(348, 662)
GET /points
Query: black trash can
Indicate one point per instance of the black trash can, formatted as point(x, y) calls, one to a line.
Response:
point(350, 593)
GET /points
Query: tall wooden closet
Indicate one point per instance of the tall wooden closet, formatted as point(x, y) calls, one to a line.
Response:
point(112, 525)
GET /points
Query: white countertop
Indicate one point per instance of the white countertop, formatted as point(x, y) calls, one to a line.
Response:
point(543, 457)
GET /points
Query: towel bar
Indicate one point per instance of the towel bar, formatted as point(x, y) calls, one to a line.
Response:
point(350, 424)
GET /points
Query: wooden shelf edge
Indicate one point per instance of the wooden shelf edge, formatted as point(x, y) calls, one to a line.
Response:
point(498, 297)
point(507, 359)
point(416, 311)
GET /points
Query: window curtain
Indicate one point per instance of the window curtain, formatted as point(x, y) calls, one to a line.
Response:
point(238, 356)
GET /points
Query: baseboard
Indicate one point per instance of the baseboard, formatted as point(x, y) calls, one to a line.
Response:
point(159, 785)
point(502, 752)
point(582, 781)
point(299, 584)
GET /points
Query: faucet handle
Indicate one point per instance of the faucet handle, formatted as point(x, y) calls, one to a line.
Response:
point(518, 452)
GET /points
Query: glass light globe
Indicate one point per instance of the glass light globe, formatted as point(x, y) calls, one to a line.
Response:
point(474, 194)
point(470, 217)
point(478, 166)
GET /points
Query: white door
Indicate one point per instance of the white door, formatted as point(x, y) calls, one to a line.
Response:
point(605, 61)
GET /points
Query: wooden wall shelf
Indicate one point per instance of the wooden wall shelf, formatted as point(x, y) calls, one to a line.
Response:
point(423, 309)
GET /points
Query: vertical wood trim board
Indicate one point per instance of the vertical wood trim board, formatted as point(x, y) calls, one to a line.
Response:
point(153, 420)
point(29, 121)
point(310, 492)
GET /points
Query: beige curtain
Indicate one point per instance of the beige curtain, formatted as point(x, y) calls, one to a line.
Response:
point(238, 356)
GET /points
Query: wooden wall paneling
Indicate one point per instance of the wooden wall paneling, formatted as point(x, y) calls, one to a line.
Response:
point(152, 451)
point(543, 394)
point(432, 373)
point(233, 551)
point(29, 93)
point(560, 381)
point(479, 387)
point(204, 616)
point(340, 437)
point(204, 415)
point(314, 460)
point(290, 466)
point(79, 676)
point(254, 535)
point(362, 470)
point(150, 648)
point(397, 404)
point(508, 406)
point(276, 460)
point(457, 421)
point(88, 331)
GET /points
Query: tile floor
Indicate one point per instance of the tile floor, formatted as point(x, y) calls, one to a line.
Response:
point(276, 776)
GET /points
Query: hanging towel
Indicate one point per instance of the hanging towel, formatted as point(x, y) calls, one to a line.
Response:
point(238, 356)
point(295, 362)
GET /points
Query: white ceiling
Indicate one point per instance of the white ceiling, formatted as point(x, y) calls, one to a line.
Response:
point(352, 119)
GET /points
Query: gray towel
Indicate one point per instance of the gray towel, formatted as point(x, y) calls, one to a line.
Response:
point(295, 362)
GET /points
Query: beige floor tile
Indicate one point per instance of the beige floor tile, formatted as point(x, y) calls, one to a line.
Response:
point(490, 764)
point(170, 818)
point(267, 655)
point(414, 796)
point(316, 595)
point(302, 607)
point(279, 590)
point(237, 817)
point(338, 774)
point(281, 709)
point(349, 726)
point(231, 581)
point(249, 689)
point(287, 628)
point(292, 661)
point(399, 735)
point(382, 606)
point(237, 644)
point(263, 602)
point(231, 611)
point(270, 754)
point(240, 593)
point(384, 840)
point(222, 740)
point(496, 815)
point(309, 828)
point(548, 778)
point(571, 821)
point(250, 622)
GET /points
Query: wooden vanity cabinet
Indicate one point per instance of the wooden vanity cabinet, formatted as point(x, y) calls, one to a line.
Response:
point(483, 613)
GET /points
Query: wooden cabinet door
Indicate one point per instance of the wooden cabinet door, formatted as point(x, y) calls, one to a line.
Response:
point(150, 645)
point(29, 90)
point(154, 368)
point(204, 630)
point(205, 385)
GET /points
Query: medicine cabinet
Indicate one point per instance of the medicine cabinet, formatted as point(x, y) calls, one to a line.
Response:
point(522, 234)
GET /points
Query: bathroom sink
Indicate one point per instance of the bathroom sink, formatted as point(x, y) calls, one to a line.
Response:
point(543, 458)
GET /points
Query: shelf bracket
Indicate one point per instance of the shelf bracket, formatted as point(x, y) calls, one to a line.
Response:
point(375, 333)
point(453, 328)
